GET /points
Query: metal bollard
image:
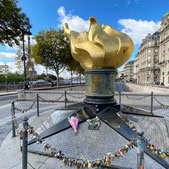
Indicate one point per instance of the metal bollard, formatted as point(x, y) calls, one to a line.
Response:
point(140, 151)
point(25, 143)
point(65, 98)
point(120, 97)
point(37, 105)
point(13, 125)
point(152, 102)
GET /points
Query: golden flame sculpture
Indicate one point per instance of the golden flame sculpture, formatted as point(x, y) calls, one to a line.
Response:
point(101, 47)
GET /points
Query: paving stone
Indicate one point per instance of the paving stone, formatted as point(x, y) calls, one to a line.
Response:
point(93, 144)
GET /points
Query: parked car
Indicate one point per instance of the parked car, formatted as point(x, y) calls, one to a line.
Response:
point(40, 81)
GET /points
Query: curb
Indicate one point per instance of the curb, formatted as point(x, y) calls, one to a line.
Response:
point(6, 94)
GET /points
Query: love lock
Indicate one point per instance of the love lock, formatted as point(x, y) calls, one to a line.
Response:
point(94, 124)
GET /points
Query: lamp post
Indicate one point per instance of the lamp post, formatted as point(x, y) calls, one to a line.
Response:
point(24, 32)
point(6, 71)
point(24, 59)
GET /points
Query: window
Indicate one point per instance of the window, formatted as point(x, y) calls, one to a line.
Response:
point(163, 48)
point(156, 50)
point(149, 44)
point(156, 57)
point(148, 65)
point(155, 72)
point(149, 51)
point(168, 80)
point(148, 59)
point(148, 79)
point(155, 65)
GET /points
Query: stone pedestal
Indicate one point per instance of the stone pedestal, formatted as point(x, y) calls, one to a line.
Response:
point(100, 84)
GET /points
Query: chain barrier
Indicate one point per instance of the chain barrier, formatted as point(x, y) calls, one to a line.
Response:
point(78, 97)
point(18, 129)
point(162, 105)
point(70, 161)
point(137, 98)
point(52, 101)
point(151, 147)
point(25, 110)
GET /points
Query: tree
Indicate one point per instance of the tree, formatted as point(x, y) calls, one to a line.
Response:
point(13, 23)
point(51, 50)
point(74, 67)
point(80, 71)
point(71, 66)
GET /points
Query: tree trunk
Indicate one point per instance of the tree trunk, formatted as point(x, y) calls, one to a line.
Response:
point(80, 78)
point(71, 73)
point(57, 73)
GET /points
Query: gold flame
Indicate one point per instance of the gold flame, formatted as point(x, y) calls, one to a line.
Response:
point(100, 47)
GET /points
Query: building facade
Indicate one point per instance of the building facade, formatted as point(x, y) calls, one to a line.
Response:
point(151, 64)
point(164, 50)
point(120, 74)
point(135, 68)
point(128, 71)
point(148, 59)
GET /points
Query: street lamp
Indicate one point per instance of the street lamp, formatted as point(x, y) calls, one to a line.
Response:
point(24, 32)
point(6, 71)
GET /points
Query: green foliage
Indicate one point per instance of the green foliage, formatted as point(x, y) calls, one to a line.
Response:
point(15, 78)
point(51, 50)
point(12, 22)
point(12, 77)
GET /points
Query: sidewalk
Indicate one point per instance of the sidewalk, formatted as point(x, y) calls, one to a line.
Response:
point(7, 93)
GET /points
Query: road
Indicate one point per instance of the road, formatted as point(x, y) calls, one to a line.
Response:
point(119, 86)
point(7, 99)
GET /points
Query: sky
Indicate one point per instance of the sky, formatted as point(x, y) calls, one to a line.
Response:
point(136, 18)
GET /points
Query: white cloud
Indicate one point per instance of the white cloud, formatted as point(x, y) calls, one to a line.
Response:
point(65, 74)
point(40, 69)
point(138, 29)
point(13, 67)
point(75, 22)
point(7, 55)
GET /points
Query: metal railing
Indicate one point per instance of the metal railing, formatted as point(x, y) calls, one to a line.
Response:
point(27, 129)
point(9, 87)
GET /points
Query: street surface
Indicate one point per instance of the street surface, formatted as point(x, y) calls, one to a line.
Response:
point(120, 87)
point(7, 99)
point(5, 106)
